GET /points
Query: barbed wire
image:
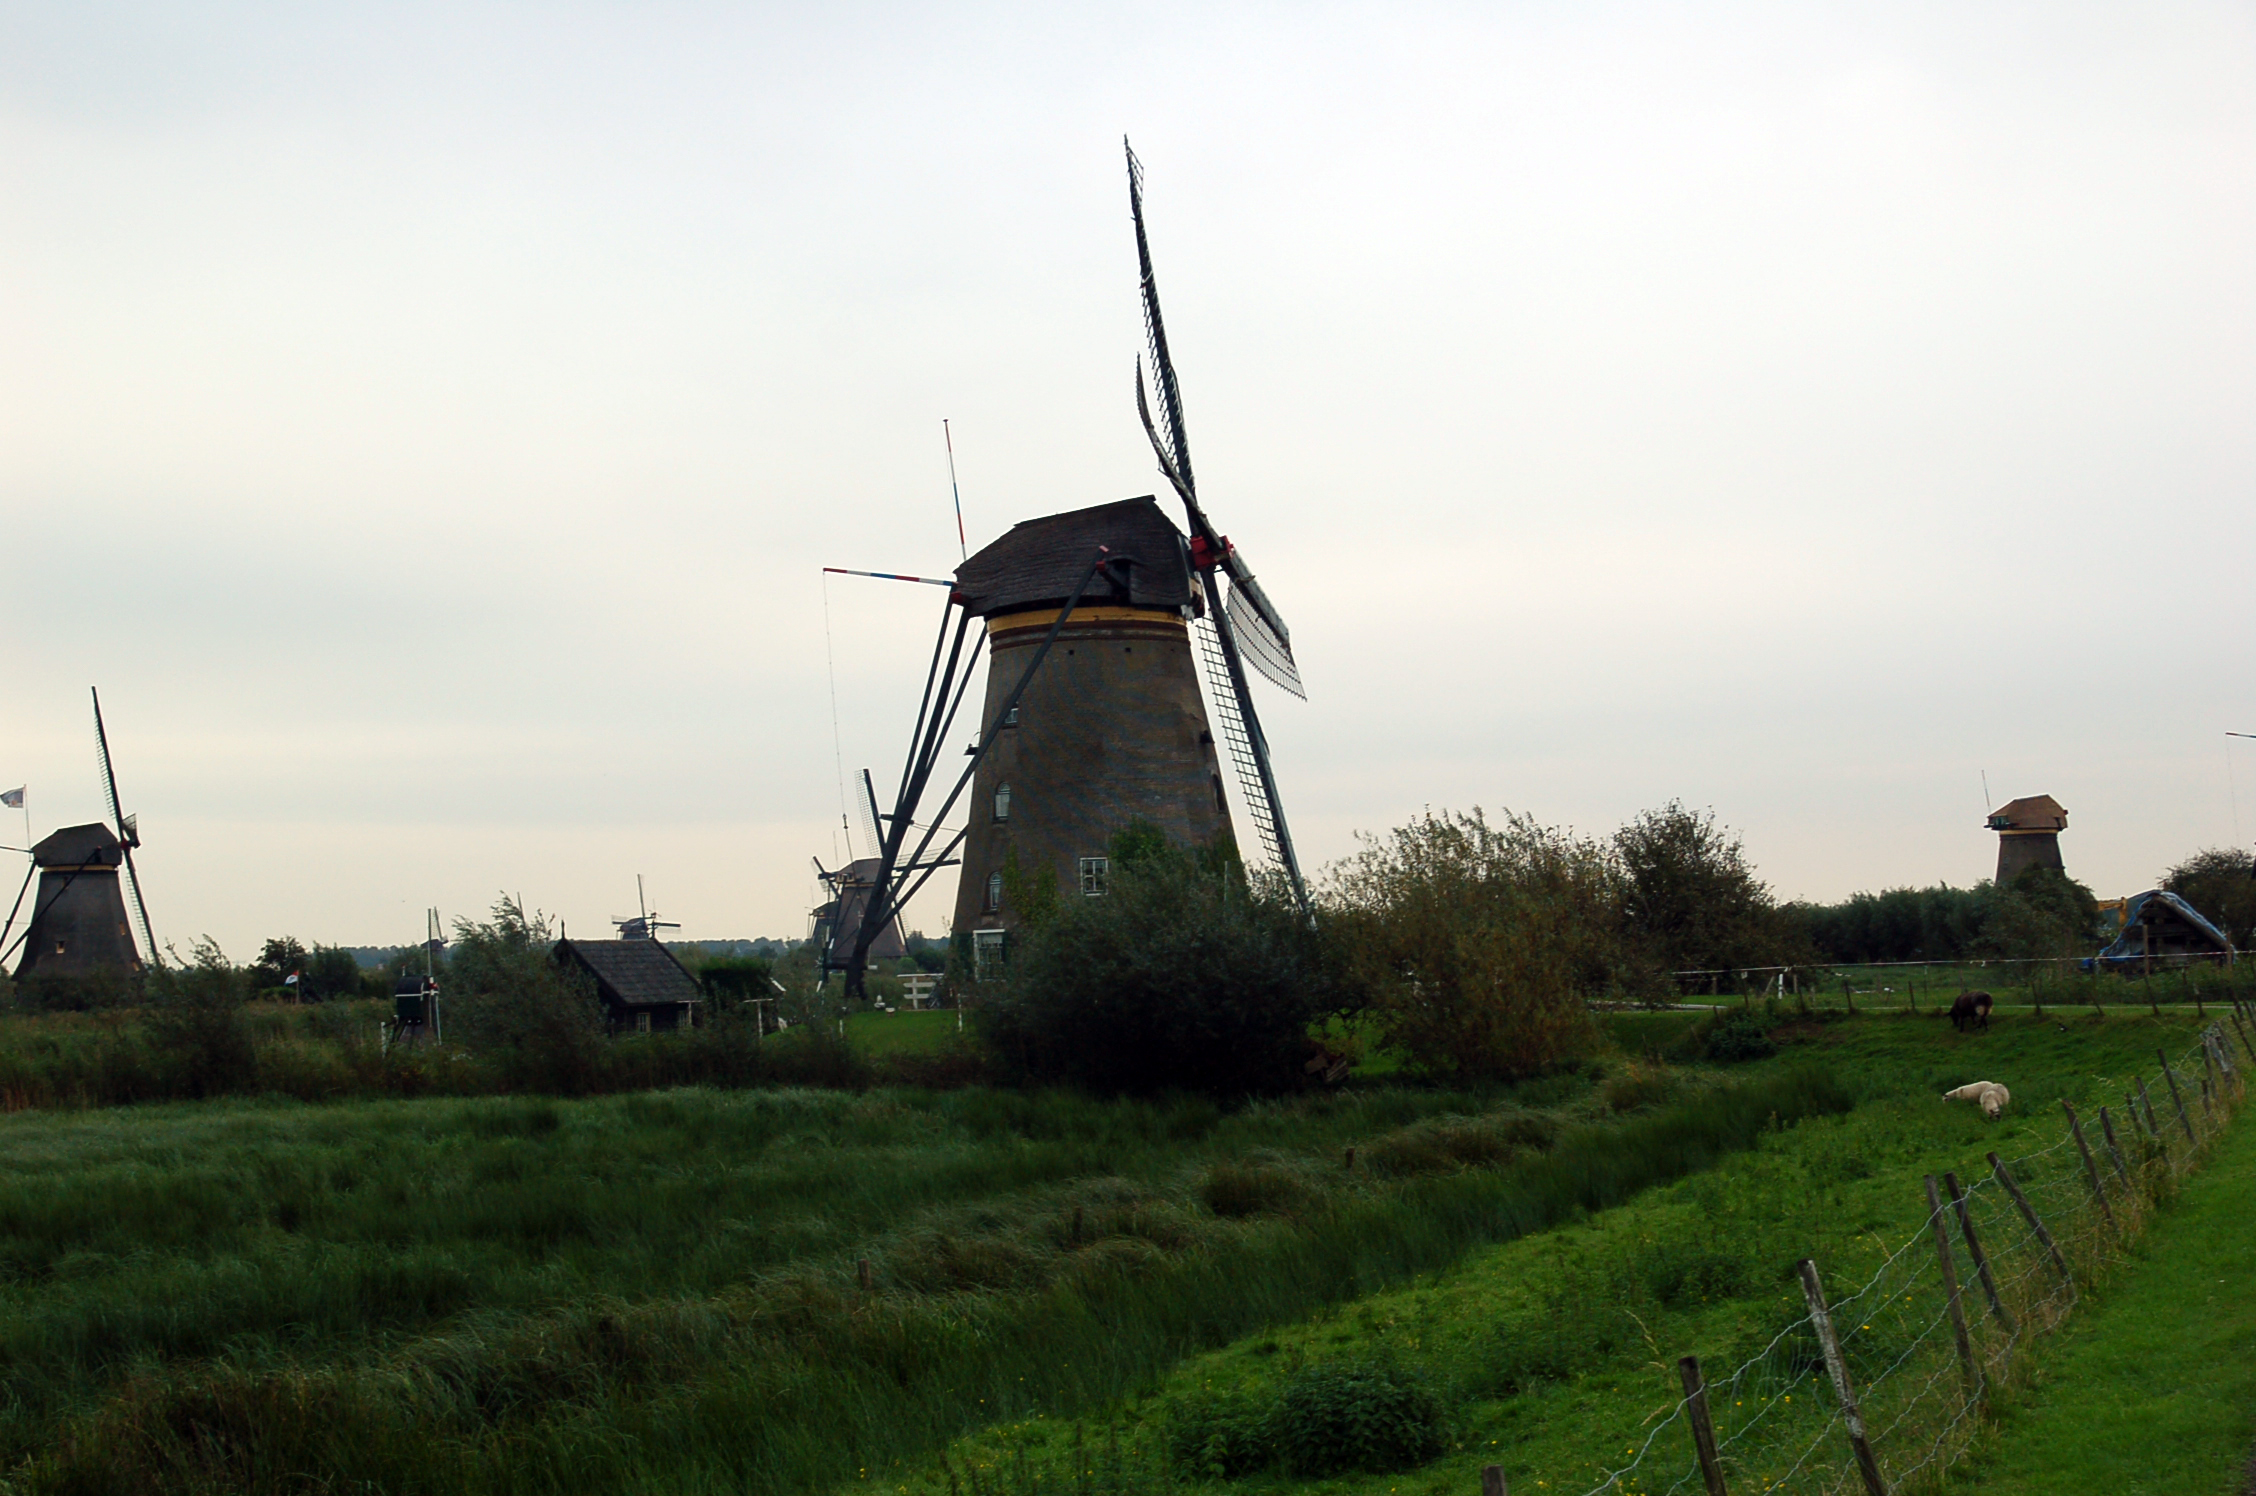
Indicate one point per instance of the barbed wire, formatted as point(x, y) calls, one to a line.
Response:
point(1923, 1403)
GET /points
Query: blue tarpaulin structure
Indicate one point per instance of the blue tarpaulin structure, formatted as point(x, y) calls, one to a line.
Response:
point(2159, 923)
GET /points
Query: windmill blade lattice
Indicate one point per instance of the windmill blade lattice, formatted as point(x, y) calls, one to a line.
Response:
point(1269, 650)
point(1251, 792)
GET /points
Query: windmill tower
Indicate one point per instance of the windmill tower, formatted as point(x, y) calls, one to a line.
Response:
point(1099, 623)
point(2028, 836)
point(78, 923)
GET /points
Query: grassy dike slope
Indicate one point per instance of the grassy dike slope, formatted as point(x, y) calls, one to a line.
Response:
point(1552, 1353)
point(2151, 1388)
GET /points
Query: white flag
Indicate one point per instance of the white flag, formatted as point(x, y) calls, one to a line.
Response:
point(13, 799)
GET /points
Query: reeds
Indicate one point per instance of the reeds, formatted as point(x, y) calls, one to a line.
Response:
point(658, 1292)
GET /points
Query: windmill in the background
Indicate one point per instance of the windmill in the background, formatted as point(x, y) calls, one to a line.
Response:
point(835, 927)
point(1093, 719)
point(644, 925)
point(78, 923)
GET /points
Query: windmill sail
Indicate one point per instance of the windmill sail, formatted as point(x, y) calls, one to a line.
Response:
point(129, 834)
point(1249, 620)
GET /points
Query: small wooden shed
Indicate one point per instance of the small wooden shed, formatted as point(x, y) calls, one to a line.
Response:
point(644, 988)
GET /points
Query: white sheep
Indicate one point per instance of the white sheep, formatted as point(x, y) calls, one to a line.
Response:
point(1991, 1097)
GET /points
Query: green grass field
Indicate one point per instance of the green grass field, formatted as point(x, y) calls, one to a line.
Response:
point(663, 1290)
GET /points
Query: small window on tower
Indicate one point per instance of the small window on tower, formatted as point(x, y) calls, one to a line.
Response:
point(1002, 803)
point(1096, 875)
point(986, 954)
point(994, 892)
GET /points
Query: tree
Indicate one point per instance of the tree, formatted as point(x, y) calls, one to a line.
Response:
point(2220, 882)
point(1476, 946)
point(507, 995)
point(1182, 975)
point(1691, 898)
point(277, 959)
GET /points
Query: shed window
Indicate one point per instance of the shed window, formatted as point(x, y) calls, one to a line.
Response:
point(642, 1023)
point(1002, 803)
point(994, 892)
point(1096, 876)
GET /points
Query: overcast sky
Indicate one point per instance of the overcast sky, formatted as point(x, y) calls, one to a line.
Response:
point(426, 424)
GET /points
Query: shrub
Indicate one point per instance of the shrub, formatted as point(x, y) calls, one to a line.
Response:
point(1347, 1415)
point(1222, 1435)
point(1475, 945)
point(541, 1023)
point(1683, 1273)
point(1743, 1034)
point(196, 1024)
point(1183, 976)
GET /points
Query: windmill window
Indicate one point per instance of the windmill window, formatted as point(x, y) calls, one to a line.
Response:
point(1010, 718)
point(1002, 803)
point(986, 954)
point(994, 891)
point(1219, 803)
point(1096, 876)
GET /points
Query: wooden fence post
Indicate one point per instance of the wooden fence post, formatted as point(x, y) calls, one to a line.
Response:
point(2242, 1029)
point(1843, 1389)
point(2114, 1152)
point(1492, 1481)
point(862, 1274)
point(2091, 1169)
point(2208, 1079)
point(2176, 1098)
point(2029, 1214)
point(1950, 1288)
point(1974, 1251)
point(2153, 1128)
point(1350, 1159)
point(1703, 1430)
point(2214, 1037)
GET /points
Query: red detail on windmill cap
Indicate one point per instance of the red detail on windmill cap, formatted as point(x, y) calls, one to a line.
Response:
point(1204, 556)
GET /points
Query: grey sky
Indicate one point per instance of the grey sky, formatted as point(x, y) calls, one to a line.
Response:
point(426, 424)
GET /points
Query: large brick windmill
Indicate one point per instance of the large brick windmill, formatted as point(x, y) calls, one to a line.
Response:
point(1097, 623)
point(78, 921)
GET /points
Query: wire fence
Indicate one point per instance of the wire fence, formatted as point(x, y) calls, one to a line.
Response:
point(1879, 1390)
point(2195, 979)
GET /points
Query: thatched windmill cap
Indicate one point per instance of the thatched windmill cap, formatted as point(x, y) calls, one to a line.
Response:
point(93, 845)
point(2030, 813)
point(1040, 561)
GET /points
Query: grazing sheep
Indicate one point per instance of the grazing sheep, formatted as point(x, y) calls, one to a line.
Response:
point(1970, 1008)
point(1991, 1097)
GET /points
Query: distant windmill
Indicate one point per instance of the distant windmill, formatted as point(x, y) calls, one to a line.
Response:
point(644, 925)
point(1097, 622)
point(78, 919)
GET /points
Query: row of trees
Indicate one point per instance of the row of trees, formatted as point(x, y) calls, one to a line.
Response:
point(1471, 947)
point(2043, 914)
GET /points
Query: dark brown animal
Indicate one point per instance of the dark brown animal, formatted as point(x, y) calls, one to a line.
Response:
point(1970, 1008)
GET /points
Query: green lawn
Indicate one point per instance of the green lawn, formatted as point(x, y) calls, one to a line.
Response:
point(903, 1032)
point(2151, 1389)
